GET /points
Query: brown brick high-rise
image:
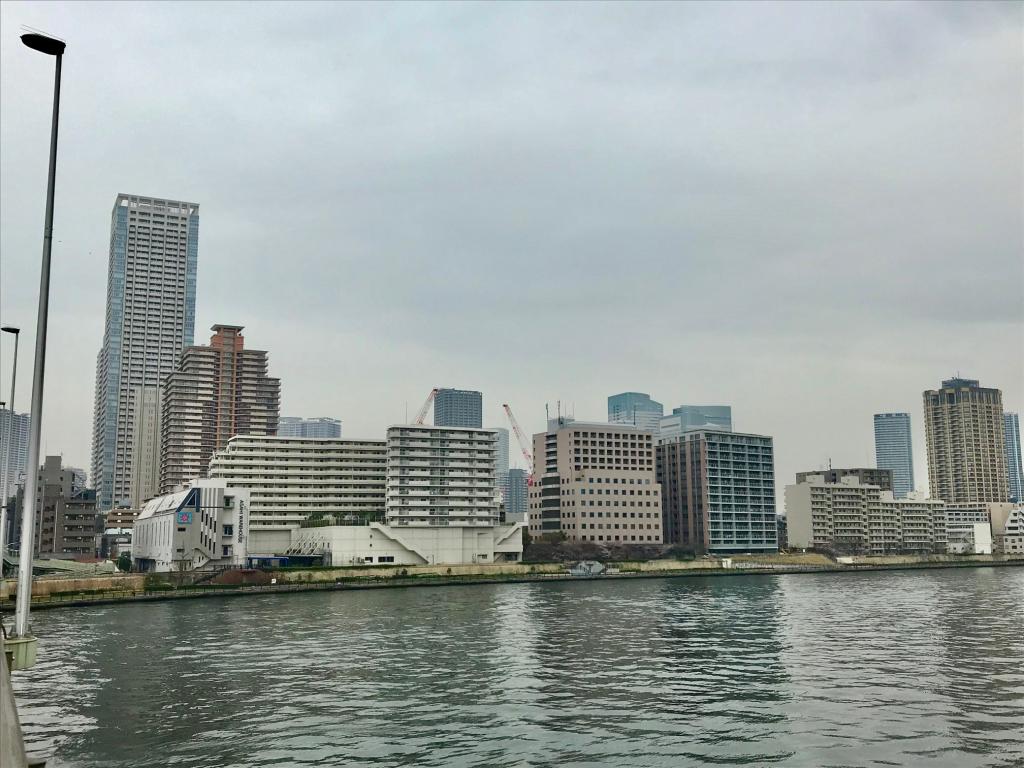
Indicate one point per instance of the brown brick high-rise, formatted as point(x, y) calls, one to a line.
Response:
point(217, 392)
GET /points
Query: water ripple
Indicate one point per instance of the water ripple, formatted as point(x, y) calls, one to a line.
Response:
point(880, 669)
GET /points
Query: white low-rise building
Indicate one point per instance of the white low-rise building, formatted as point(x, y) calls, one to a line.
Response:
point(1013, 532)
point(376, 543)
point(973, 540)
point(205, 525)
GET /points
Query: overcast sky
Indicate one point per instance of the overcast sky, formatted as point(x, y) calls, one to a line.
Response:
point(809, 212)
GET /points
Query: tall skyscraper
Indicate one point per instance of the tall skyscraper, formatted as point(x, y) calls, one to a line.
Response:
point(718, 491)
point(1015, 472)
point(516, 499)
point(964, 432)
point(459, 408)
point(687, 418)
point(635, 408)
point(218, 391)
point(501, 461)
point(145, 482)
point(294, 426)
point(894, 451)
point(150, 318)
point(18, 448)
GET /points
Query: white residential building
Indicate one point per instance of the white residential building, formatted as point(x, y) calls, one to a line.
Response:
point(441, 476)
point(291, 479)
point(380, 544)
point(203, 526)
point(425, 496)
point(1013, 532)
point(849, 515)
point(976, 540)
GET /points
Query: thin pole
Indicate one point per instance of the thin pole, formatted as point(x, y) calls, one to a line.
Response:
point(7, 458)
point(28, 521)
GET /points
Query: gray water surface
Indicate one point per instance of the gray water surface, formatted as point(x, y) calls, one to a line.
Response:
point(908, 668)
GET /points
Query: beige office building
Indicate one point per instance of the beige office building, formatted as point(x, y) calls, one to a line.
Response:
point(217, 392)
point(964, 435)
point(595, 482)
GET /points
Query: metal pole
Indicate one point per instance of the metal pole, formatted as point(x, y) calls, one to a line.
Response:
point(7, 460)
point(28, 522)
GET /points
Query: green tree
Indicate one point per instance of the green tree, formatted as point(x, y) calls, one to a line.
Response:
point(124, 562)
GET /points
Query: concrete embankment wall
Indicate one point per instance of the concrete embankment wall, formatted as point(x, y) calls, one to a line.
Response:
point(49, 585)
point(313, 576)
point(57, 591)
point(927, 559)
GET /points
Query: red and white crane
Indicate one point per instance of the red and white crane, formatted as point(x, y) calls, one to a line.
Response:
point(426, 406)
point(524, 445)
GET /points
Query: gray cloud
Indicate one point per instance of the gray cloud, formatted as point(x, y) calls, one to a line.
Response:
point(812, 211)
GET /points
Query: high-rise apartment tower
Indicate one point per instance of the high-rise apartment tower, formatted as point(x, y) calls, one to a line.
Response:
point(964, 432)
point(458, 408)
point(1015, 472)
point(150, 318)
point(18, 456)
point(293, 426)
point(218, 391)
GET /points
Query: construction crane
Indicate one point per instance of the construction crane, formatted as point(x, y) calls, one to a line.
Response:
point(521, 437)
point(426, 406)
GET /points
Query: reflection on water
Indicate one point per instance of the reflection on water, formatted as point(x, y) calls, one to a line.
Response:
point(898, 668)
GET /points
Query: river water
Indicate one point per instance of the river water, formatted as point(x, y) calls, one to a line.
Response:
point(908, 668)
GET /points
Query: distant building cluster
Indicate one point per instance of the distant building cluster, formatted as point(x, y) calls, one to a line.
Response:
point(294, 426)
point(973, 450)
point(193, 465)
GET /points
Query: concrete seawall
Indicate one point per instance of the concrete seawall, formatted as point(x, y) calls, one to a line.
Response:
point(57, 593)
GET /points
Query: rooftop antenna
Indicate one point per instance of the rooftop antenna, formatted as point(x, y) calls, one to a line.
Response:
point(547, 413)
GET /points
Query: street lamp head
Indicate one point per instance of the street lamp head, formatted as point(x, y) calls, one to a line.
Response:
point(43, 44)
point(11, 329)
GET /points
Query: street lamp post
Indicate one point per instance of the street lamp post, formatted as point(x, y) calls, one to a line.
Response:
point(10, 449)
point(50, 47)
